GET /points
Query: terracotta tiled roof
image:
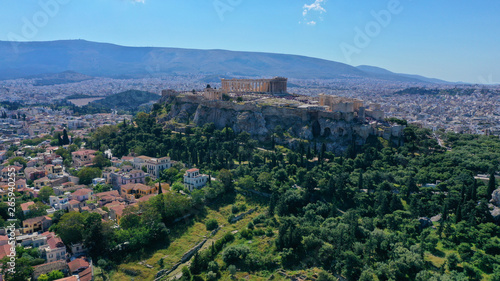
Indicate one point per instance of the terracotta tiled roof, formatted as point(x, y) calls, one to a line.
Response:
point(81, 192)
point(48, 267)
point(113, 193)
point(25, 206)
point(146, 198)
point(71, 278)
point(4, 250)
point(53, 241)
point(84, 152)
point(118, 209)
point(73, 202)
point(77, 264)
point(135, 186)
point(37, 219)
point(86, 275)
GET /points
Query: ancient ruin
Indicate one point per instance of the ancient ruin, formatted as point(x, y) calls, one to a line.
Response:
point(337, 120)
point(274, 85)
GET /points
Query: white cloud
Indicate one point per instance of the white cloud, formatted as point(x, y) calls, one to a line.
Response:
point(316, 7)
point(138, 1)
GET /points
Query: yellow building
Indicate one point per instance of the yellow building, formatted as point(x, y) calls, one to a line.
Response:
point(36, 224)
point(137, 190)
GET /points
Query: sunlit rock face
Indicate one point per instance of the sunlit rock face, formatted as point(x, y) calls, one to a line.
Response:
point(336, 129)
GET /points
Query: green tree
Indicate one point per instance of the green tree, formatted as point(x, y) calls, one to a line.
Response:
point(352, 266)
point(492, 185)
point(45, 192)
point(247, 182)
point(211, 224)
point(232, 270)
point(86, 174)
point(65, 138)
point(71, 228)
point(100, 161)
point(325, 276)
point(226, 177)
point(93, 236)
point(452, 261)
point(55, 274)
point(23, 269)
point(186, 274)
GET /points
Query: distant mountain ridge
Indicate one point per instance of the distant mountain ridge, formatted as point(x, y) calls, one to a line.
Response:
point(22, 59)
point(381, 72)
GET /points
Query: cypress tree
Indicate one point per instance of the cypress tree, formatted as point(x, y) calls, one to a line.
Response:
point(458, 214)
point(159, 188)
point(444, 217)
point(473, 194)
point(213, 250)
point(65, 139)
point(492, 185)
point(360, 180)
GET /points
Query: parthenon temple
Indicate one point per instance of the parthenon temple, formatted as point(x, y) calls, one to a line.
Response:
point(275, 85)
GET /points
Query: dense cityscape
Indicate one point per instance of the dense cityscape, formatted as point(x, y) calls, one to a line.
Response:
point(230, 140)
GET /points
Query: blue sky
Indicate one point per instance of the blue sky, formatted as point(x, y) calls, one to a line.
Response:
point(455, 40)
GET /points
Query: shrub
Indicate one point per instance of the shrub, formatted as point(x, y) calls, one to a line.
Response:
point(232, 270)
point(213, 266)
point(258, 232)
point(211, 224)
point(246, 233)
point(211, 276)
point(259, 219)
point(234, 254)
point(197, 278)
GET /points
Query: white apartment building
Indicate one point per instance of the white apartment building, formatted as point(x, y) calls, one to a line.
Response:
point(193, 179)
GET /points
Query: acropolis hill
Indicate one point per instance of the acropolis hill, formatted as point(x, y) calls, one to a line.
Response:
point(252, 106)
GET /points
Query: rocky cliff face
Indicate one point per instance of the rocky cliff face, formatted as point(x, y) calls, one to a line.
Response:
point(337, 130)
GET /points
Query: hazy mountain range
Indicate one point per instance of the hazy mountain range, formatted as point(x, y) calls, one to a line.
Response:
point(28, 59)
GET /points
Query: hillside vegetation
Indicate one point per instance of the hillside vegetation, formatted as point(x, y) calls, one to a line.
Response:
point(365, 215)
point(127, 101)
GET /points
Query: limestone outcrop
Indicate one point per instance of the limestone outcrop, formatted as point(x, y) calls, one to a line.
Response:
point(336, 129)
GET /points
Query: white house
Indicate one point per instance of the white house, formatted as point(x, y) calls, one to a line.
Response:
point(193, 179)
point(59, 202)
